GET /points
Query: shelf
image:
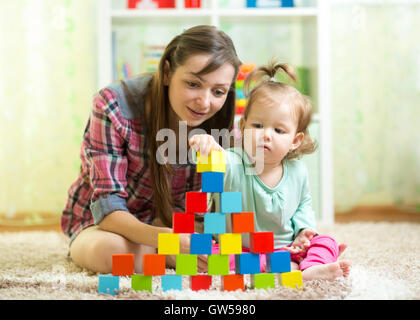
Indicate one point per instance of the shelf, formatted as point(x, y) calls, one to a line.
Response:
point(212, 16)
point(243, 12)
point(126, 14)
point(275, 12)
point(291, 30)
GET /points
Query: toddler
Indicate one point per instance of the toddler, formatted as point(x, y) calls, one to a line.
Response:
point(273, 181)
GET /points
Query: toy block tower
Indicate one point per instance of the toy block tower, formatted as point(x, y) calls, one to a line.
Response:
point(212, 167)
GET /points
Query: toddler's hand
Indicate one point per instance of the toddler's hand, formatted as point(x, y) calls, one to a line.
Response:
point(204, 143)
point(302, 241)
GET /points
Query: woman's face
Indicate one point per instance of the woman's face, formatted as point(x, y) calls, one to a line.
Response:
point(196, 98)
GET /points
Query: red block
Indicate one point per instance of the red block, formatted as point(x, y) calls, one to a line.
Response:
point(183, 222)
point(122, 264)
point(243, 222)
point(196, 202)
point(154, 264)
point(262, 242)
point(233, 282)
point(200, 282)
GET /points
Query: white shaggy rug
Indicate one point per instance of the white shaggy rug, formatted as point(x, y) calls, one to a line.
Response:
point(385, 261)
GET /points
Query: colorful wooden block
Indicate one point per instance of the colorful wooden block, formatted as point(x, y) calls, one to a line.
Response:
point(168, 243)
point(278, 262)
point(261, 242)
point(108, 284)
point(212, 181)
point(230, 243)
point(140, 282)
point(233, 282)
point(218, 264)
point(215, 162)
point(263, 280)
point(243, 222)
point(186, 264)
point(171, 282)
point(196, 202)
point(200, 282)
point(122, 264)
point(231, 202)
point(247, 263)
point(200, 243)
point(214, 223)
point(183, 222)
point(154, 264)
point(292, 279)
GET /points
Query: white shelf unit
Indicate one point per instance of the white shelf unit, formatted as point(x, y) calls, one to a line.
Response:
point(318, 15)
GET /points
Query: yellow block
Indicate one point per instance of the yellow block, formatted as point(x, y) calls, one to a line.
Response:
point(168, 243)
point(215, 162)
point(240, 103)
point(230, 243)
point(291, 279)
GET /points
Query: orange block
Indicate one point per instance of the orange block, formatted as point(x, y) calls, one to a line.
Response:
point(154, 264)
point(242, 222)
point(122, 264)
point(233, 282)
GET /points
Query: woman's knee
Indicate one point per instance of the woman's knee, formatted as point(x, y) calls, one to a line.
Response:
point(94, 249)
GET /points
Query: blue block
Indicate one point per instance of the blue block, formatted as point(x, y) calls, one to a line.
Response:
point(231, 202)
point(108, 284)
point(200, 243)
point(247, 263)
point(212, 181)
point(171, 282)
point(240, 94)
point(278, 262)
point(214, 223)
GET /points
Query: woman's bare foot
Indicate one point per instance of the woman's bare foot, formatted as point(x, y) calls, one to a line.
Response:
point(328, 271)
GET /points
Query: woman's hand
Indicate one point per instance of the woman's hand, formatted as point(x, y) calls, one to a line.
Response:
point(204, 143)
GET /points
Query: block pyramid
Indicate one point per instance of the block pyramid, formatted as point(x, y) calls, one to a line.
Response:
point(212, 168)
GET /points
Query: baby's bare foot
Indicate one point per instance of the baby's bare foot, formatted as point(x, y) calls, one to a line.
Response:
point(328, 271)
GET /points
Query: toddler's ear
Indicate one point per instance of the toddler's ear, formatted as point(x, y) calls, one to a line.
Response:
point(297, 141)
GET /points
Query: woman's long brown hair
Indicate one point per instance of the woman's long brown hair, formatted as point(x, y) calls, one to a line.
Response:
point(196, 40)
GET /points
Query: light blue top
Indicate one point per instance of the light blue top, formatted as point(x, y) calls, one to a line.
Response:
point(284, 209)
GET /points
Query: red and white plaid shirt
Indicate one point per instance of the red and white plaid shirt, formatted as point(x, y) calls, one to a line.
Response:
point(114, 172)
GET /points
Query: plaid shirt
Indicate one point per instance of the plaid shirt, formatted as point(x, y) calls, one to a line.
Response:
point(114, 174)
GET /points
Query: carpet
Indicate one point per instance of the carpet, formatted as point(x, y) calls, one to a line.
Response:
point(385, 261)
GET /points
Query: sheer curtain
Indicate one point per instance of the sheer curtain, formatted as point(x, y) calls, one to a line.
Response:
point(47, 79)
point(376, 102)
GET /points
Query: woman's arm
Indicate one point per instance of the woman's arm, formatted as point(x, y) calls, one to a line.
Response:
point(128, 226)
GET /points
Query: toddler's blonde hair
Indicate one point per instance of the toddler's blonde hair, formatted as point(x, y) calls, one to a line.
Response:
point(262, 82)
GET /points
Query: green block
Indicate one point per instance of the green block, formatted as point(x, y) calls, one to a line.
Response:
point(218, 264)
point(141, 282)
point(186, 264)
point(263, 280)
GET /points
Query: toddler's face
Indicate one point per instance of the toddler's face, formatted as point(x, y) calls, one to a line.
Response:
point(270, 131)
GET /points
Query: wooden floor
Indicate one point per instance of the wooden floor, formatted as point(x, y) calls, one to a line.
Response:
point(377, 214)
point(374, 214)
